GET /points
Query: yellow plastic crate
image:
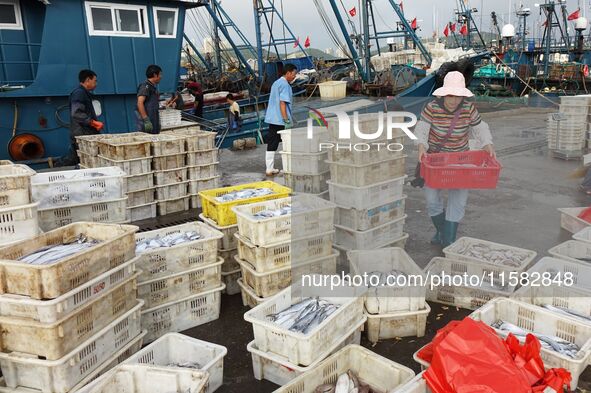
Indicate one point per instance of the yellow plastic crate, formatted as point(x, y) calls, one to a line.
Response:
point(221, 212)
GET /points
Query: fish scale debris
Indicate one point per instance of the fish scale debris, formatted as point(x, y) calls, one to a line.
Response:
point(304, 316)
point(174, 239)
point(54, 253)
point(246, 193)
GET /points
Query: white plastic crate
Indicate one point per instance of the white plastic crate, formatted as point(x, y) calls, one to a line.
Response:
point(136, 378)
point(196, 186)
point(569, 220)
point(296, 140)
point(171, 176)
point(366, 240)
point(333, 90)
point(305, 163)
point(137, 166)
point(230, 263)
point(228, 242)
point(176, 286)
point(572, 250)
point(6, 162)
point(18, 223)
point(566, 297)
point(539, 320)
point(279, 371)
point(576, 109)
point(310, 215)
point(584, 235)
point(51, 311)
point(298, 348)
point(170, 206)
point(365, 175)
point(344, 153)
point(60, 376)
point(124, 147)
point(567, 146)
point(460, 296)
point(183, 314)
point(165, 144)
point(398, 324)
point(416, 385)
point(140, 182)
point(312, 184)
point(204, 157)
point(15, 185)
point(269, 283)
point(391, 298)
point(67, 188)
point(142, 212)
point(200, 172)
point(172, 161)
point(117, 245)
point(86, 160)
point(171, 191)
point(249, 298)
point(141, 197)
point(561, 269)
point(367, 196)
point(174, 348)
point(114, 211)
point(455, 251)
point(55, 340)
point(365, 219)
point(195, 138)
point(230, 280)
point(279, 255)
point(369, 367)
point(159, 262)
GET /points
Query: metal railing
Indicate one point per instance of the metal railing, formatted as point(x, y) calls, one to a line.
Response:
point(33, 64)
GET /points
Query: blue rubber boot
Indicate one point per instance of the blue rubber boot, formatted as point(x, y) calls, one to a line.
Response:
point(438, 222)
point(450, 231)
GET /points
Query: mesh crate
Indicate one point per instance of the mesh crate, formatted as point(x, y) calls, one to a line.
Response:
point(141, 197)
point(196, 186)
point(569, 220)
point(170, 206)
point(365, 175)
point(164, 163)
point(138, 166)
point(366, 240)
point(204, 157)
point(196, 139)
point(114, 211)
point(344, 153)
point(171, 176)
point(18, 223)
point(311, 184)
point(397, 325)
point(571, 298)
point(229, 241)
point(296, 140)
point(87, 160)
point(249, 298)
point(139, 182)
point(366, 219)
point(165, 144)
point(142, 212)
point(572, 250)
point(471, 169)
point(125, 147)
point(171, 191)
point(15, 185)
point(305, 163)
point(367, 196)
point(200, 172)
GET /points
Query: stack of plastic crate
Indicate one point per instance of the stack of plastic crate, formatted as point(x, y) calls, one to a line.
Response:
point(170, 173)
point(567, 129)
point(180, 284)
point(170, 118)
point(218, 215)
point(367, 179)
point(94, 195)
point(274, 248)
point(132, 154)
point(65, 322)
point(304, 161)
point(18, 214)
point(88, 150)
point(202, 161)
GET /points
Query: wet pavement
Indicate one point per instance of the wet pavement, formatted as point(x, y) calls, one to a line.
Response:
point(522, 212)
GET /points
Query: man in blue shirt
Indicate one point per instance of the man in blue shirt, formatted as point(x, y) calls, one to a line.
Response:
point(278, 115)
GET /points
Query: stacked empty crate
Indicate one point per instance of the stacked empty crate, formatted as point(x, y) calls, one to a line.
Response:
point(367, 186)
point(304, 162)
point(274, 250)
point(66, 321)
point(18, 214)
point(218, 215)
point(181, 284)
point(567, 130)
point(95, 195)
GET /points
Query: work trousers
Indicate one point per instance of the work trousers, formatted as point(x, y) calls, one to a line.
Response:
point(456, 203)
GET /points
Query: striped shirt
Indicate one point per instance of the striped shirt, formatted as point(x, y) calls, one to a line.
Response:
point(436, 121)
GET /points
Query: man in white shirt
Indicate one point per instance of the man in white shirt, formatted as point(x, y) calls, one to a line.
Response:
point(234, 120)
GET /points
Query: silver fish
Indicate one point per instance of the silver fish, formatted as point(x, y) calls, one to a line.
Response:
point(342, 384)
point(171, 240)
point(284, 211)
point(51, 254)
point(304, 316)
point(246, 193)
point(192, 365)
point(494, 254)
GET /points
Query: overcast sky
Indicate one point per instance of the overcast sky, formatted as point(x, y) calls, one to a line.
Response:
point(303, 19)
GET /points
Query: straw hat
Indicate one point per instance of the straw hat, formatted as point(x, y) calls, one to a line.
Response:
point(454, 84)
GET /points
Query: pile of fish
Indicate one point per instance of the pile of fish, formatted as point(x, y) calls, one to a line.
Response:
point(304, 316)
point(494, 255)
point(284, 211)
point(187, 364)
point(567, 312)
point(552, 343)
point(52, 254)
point(171, 240)
point(246, 193)
point(346, 383)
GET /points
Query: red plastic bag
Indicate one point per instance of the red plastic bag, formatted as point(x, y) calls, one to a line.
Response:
point(585, 215)
point(468, 357)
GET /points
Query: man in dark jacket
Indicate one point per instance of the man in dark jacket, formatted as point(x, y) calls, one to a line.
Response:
point(148, 101)
point(83, 118)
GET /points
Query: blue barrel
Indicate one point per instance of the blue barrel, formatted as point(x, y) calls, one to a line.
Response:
point(531, 45)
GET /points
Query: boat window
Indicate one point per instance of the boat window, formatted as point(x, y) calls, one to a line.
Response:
point(10, 15)
point(110, 19)
point(165, 22)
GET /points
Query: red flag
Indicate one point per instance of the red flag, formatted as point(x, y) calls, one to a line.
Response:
point(453, 27)
point(401, 7)
point(413, 24)
point(296, 43)
point(446, 30)
point(575, 15)
point(464, 30)
point(307, 43)
point(353, 11)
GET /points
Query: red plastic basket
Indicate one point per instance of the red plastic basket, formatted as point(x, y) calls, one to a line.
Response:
point(445, 170)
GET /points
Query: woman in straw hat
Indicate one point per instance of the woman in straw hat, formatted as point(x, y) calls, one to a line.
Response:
point(446, 125)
